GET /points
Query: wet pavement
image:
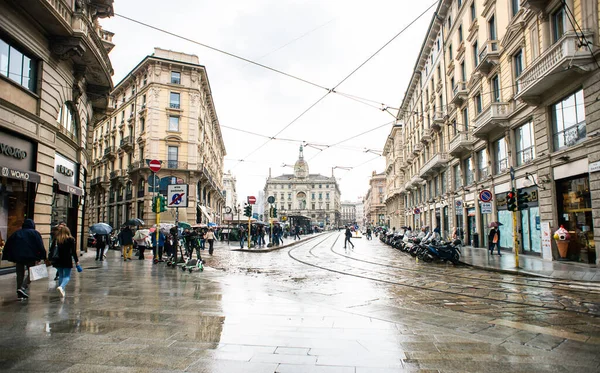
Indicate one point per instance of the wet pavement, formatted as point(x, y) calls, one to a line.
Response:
point(312, 307)
point(530, 265)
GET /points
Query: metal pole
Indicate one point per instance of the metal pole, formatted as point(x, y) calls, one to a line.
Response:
point(176, 238)
point(514, 217)
point(249, 227)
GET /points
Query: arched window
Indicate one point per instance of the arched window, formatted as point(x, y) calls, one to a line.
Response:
point(66, 119)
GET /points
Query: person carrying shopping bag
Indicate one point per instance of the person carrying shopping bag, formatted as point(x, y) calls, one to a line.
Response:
point(66, 255)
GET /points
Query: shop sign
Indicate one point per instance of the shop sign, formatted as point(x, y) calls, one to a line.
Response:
point(594, 167)
point(486, 207)
point(64, 170)
point(21, 175)
point(15, 153)
point(546, 241)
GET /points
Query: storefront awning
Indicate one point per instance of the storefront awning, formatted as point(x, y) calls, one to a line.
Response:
point(71, 189)
point(12, 173)
point(204, 211)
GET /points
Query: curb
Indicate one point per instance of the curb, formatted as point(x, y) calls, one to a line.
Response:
point(511, 271)
point(277, 247)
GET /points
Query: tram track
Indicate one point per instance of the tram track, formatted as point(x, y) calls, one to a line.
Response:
point(590, 313)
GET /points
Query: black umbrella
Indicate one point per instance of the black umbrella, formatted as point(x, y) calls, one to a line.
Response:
point(101, 228)
point(134, 221)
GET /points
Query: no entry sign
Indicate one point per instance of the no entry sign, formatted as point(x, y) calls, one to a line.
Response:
point(154, 165)
point(251, 200)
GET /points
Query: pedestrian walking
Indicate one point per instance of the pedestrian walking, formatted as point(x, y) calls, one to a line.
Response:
point(261, 236)
point(296, 232)
point(142, 241)
point(25, 248)
point(101, 244)
point(348, 236)
point(126, 241)
point(210, 238)
point(494, 240)
point(242, 236)
point(369, 237)
point(157, 250)
point(67, 253)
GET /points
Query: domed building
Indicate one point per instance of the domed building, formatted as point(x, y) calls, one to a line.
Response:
point(303, 198)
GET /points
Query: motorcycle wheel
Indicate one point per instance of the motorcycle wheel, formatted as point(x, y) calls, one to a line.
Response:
point(455, 258)
point(427, 258)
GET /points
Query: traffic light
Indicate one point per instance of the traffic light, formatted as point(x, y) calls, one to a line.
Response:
point(247, 210)
point(511, 200)
point(522, 199)
point(274, 211)
point(153, 204)
point(163, 203)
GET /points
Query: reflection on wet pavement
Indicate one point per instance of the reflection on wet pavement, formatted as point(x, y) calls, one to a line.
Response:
point(368, 310)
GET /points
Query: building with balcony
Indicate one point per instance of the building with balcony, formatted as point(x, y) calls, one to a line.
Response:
point(515, 85)
point(394, 177)
point(163, 109)
point(55, 77)
point(230, 190)
point(348, 212)
point(303, 198)
point(375, 207)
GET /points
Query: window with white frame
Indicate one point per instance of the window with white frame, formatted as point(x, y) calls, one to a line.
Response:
point(525, 144)
point(174, 123)
point(501, 152)
point(568, 120)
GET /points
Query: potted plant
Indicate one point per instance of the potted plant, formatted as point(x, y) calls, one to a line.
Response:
point(562, 238)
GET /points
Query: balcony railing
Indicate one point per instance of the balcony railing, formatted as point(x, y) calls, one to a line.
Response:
point(174, 105)
point(177, 165)
point(494, 117)
point(436, 162)
point(96, 180)
point(553, 67)
point(115, 174)
point(459, 93)
point(127, 143)
point(109, 152)
point(426, 137)
point(461, 143)
point(417, 149)
point(489, 56)
point(416, 180)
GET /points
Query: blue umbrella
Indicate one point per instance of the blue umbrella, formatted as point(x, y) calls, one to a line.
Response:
point(101, 228)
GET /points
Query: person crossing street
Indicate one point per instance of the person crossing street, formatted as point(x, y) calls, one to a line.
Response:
point(348, 234)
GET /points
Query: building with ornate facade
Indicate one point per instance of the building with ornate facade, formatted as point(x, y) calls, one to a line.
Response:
point(394, 178)
point(375, 209)
point(312, 199)
point(360, 212)
point(501, 88)
point(55, 78)
point(348, 213)
point(230, 190)
point(163, 109)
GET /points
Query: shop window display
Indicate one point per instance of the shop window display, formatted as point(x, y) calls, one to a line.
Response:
point(13, 209)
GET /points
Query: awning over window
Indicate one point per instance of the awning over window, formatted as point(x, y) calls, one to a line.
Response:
point(12, 173)
point(205, 212)
point(70, 189)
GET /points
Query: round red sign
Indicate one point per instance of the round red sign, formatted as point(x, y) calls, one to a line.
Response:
point(154, 165)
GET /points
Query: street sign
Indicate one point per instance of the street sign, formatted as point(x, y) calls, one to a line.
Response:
point(228, 210)
point(255, 215)
point(486, 207)
point(485, 196)
point(177, 195)
point(154, 165)
point(459, 207)
point(271, 199)
point(251, 200)
point(417, 211)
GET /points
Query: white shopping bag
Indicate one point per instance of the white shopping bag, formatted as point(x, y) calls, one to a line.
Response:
point(37, 272)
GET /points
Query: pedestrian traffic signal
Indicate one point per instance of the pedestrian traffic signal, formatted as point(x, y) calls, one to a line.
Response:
point(522, 199)
point(247, 210)
point(511, 200)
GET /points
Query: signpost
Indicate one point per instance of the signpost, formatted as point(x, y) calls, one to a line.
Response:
point(155, 166)
point(514, 216)
point(271, 200)
point(486, 207)
point(485, 196)
point(251, 200)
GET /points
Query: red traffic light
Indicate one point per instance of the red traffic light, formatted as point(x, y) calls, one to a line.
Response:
point(511, 195)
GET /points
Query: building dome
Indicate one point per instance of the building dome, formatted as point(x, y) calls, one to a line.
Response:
point(301, 166)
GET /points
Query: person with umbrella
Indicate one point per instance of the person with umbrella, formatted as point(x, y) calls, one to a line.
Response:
point(494, 237)
point(126, 241)
point(161, 245)
point(142, 240)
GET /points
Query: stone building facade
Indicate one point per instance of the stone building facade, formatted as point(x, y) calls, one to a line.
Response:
point(310, 199)
point(230, 190)
point(501, 85)
point(348, 213)
point(162, 109)
point(55, 77)
point(375, 208)
point(394, 178)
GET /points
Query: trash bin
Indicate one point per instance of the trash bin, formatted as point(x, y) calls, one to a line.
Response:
point(475, 240)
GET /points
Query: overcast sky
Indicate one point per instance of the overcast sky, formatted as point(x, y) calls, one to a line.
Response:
point(319, 41)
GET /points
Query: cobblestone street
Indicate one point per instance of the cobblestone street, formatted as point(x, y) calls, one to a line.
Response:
point(312, 307)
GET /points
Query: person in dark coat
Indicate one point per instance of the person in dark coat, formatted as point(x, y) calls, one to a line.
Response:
point(101, 243)
point(348, 235)
point(126, 241)
point(67, 253)
point(494, 240)
point(25, 248)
